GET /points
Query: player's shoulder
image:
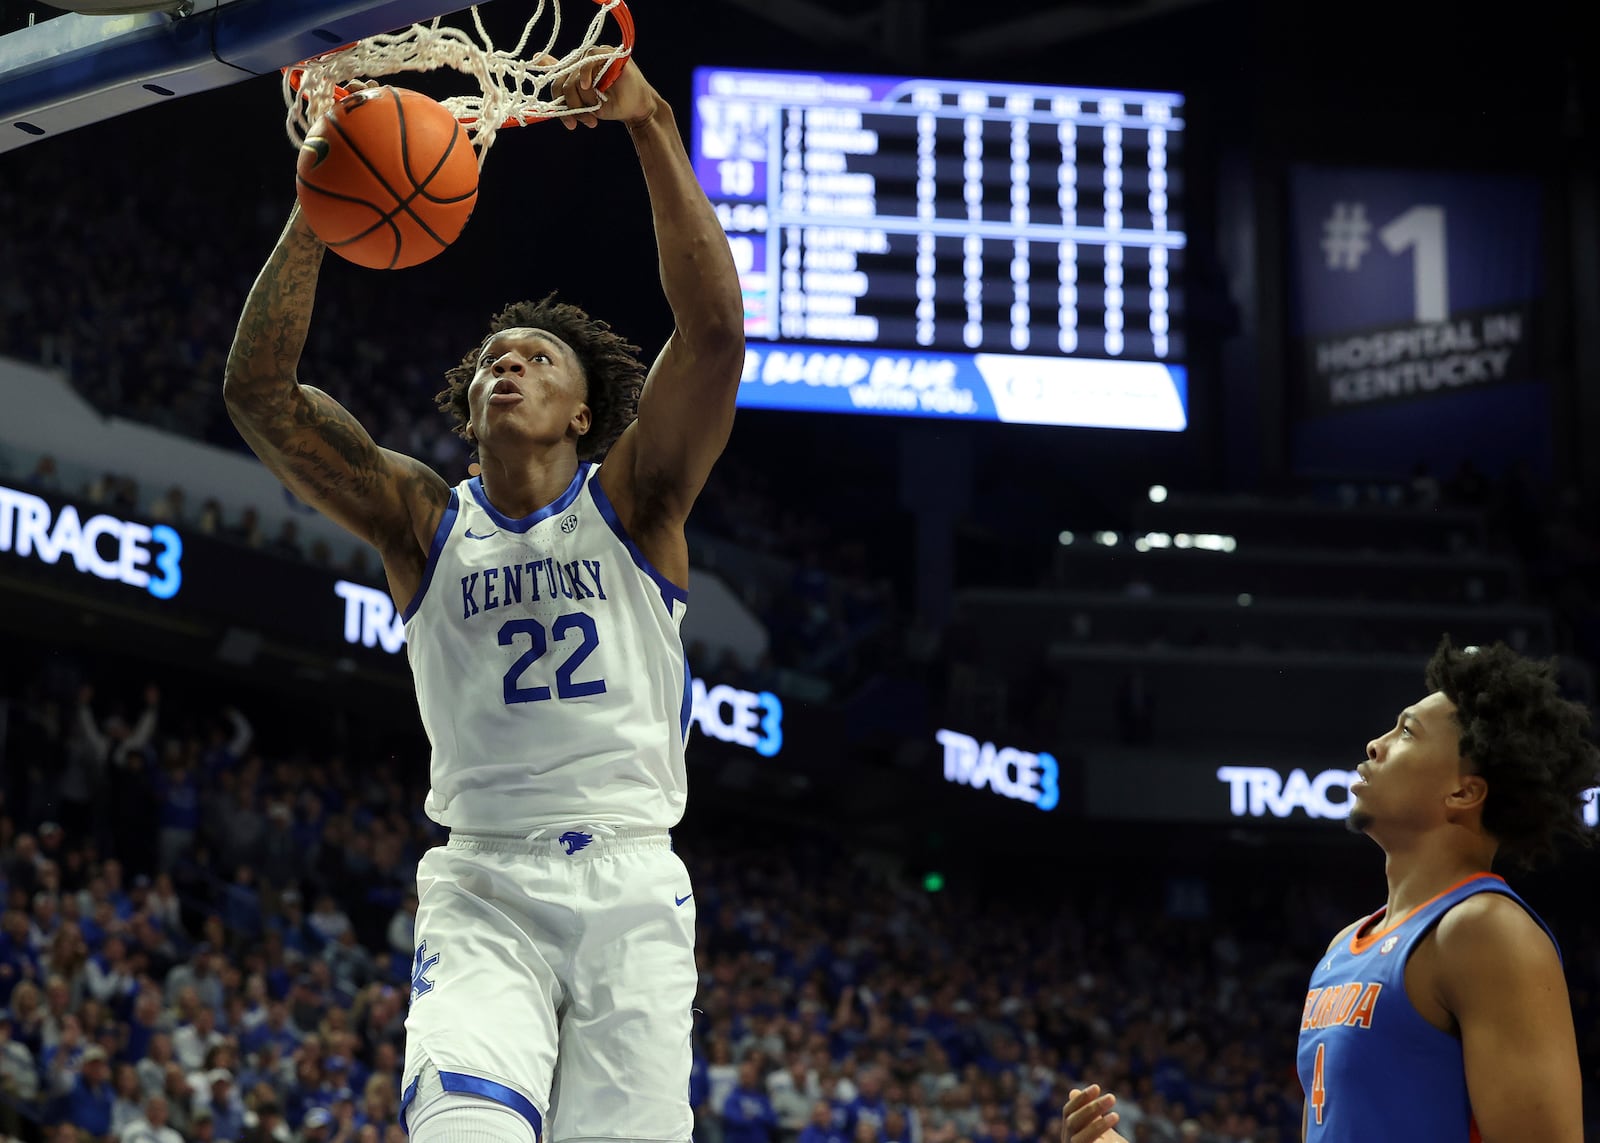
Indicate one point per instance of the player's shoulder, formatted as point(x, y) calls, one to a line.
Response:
point(1487, 920)
point(1491, 941)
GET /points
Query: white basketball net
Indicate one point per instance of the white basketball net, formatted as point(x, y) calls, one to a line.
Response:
point(514, 87)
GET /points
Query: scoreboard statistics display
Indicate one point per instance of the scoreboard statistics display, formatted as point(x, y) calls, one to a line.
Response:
point(949, 248)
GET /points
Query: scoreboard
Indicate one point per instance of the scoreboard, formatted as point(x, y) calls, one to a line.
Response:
point(948, 248)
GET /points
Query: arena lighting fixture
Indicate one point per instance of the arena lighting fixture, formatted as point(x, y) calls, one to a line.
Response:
point(1109, 539)
point(1158, 493)
point(1246, 599)
point(1205, 541)
point(1066, 539)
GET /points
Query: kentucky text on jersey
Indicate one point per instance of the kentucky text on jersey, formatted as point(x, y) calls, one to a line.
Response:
point(549, 669)
point(496, 587)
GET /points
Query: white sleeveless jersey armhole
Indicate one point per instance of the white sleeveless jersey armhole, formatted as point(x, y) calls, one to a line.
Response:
point(549, 669)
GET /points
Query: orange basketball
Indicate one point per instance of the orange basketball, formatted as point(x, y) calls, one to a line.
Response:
point(387, 178)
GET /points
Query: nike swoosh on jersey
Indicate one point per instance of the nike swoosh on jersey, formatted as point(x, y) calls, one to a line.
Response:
point(680, 900)
point(490, 536)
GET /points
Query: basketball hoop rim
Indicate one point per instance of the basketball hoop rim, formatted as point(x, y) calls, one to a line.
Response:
point(619, 12)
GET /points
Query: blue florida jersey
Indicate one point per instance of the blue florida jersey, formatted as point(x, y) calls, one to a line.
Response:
point(549, 669)
point(1372, 1068)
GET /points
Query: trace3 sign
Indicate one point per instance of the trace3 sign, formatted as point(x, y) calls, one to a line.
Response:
point(743, 718)
point(1011, 773)
point(369, 617)
point(140, 555)
point(1260, 791)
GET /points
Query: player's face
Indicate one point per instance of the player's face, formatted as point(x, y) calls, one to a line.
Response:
point(529, 389)
point(1412, 772)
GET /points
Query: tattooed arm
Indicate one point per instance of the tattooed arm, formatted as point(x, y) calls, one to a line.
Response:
point(308, 440)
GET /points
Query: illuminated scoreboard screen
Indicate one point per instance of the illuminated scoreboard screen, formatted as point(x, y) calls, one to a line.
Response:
point(946, 248)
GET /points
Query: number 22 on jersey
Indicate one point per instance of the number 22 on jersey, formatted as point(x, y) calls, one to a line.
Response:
point(575, 628)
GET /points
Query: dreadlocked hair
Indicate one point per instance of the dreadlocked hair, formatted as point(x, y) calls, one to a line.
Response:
point(1527, 742)
point(612, 371)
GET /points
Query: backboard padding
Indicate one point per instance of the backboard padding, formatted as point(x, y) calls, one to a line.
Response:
point(75, 70)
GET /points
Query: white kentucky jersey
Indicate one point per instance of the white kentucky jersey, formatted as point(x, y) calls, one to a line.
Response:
point(549, 669)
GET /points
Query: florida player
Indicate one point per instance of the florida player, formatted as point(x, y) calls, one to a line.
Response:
point(542, 603)
point(1444, 1015)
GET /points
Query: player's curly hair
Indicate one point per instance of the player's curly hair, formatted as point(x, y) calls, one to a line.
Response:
point(612, 371)
point(1527, 742)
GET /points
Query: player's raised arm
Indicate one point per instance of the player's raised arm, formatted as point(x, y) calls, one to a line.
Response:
point(686, 408)
point(308, 440)
point(1500, 977)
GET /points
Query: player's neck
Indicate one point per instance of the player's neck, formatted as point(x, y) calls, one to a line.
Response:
point(522, 486)
point(1420, 872)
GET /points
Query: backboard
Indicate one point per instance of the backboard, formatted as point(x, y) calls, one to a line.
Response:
point(79, 69)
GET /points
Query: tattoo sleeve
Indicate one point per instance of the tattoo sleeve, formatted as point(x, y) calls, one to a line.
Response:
point(305, 437)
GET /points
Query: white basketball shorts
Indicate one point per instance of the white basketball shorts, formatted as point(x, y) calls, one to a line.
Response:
point(557, 977)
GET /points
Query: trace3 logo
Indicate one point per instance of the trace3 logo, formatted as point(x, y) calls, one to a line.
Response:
point(28, 529)
point(1260, 791)
point(369, 617)
point(751, 720)
point(1011, 773)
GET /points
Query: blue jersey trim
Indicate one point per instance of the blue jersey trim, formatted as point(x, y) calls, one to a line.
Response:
point(440, 534)
point(528, 521)
point(405, 1103)
point(688, 703)
point(670, 592)
point(488, 1089)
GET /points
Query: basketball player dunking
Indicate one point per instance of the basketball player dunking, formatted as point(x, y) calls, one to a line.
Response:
point(554, 971)
point(1444, 1016)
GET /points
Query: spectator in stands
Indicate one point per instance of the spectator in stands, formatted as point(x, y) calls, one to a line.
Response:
point(195, 1038)
point(219, 1096)
point(317, 1126)
point(45, 477)
point(403, 926)
point(794, 1091)
point(747, 1115)
point(170, 507)
point(327, 921)
point(85, 1082)
point(151, 1126)
point(127, 1098)
point(19, 1077)
point(820, 1127)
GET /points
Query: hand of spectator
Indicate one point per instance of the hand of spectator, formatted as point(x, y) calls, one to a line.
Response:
point(1088, 1118)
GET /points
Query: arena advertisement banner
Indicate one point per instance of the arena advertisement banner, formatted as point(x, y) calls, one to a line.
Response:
point(58, 552)
point(1414, 305)
point(142, 556)
point(1193, 789)
point(1009, 388)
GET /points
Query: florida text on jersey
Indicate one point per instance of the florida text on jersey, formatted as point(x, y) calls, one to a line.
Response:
point(1373, 1069)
